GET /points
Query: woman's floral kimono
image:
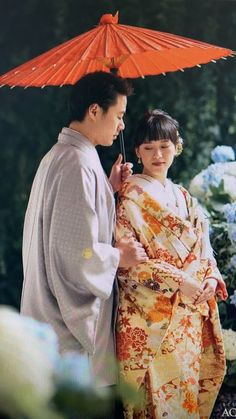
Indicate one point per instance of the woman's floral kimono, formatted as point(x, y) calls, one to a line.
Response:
point(166, 346)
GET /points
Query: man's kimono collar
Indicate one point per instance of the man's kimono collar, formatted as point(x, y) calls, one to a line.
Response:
point(75, 138)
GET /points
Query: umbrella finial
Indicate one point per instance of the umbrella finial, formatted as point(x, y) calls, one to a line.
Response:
point(108, 19)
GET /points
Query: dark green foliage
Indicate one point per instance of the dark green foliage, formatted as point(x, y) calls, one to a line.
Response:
point(202, 100)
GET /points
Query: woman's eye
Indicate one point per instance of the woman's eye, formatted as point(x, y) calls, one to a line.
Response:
point(147, 148)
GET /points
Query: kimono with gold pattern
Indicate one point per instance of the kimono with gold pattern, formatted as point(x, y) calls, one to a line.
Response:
point(167, 348)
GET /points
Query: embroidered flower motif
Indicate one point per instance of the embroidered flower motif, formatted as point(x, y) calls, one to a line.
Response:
point(143, 275)
point(161, 310)
point(131, 310)
point(139, 338)
point(153, 285)
point(190, 402)
point(123, 345)
point(165, 256)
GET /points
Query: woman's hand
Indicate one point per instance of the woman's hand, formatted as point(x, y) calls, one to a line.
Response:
point(119, 173)
point(191, 289)
point(209, 288)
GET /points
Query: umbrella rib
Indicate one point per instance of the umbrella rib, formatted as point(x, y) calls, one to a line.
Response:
point(136, 66)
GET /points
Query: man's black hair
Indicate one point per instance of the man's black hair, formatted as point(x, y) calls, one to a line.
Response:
point(98, 87)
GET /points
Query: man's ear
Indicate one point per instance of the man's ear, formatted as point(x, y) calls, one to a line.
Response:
point(93, 110)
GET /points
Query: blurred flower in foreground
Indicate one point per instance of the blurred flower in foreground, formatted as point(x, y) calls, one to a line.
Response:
point(222, 153)
point(73, 371)
point(26, 382)
point(36, 382)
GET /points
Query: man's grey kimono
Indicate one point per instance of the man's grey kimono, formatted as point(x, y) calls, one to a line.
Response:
point(69, 262)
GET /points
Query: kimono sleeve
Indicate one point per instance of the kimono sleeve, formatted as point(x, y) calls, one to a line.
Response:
point(79, 262)
point(154, 274)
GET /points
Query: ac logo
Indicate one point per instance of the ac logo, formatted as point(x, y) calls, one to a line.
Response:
point(229, 413)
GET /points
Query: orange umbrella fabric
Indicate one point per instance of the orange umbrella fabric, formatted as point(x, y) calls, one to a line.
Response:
point(132, 51)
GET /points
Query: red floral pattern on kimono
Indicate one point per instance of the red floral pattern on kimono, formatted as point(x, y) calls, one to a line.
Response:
point(167, 347)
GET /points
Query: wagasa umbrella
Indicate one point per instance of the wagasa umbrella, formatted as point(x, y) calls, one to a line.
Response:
point(130, 51)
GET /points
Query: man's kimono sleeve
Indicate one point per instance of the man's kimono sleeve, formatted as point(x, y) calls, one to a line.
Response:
point(79, 262)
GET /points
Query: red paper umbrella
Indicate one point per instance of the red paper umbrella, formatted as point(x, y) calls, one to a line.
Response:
point(132, 51)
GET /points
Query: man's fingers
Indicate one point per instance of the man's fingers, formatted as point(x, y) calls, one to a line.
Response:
point(119, 159)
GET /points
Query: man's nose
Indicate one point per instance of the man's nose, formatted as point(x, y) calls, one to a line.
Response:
point(122, 125)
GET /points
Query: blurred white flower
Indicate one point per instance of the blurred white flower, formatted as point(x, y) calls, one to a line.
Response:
point(212, 176)
point(230, 185)
point(196, 186)
point(229, 338)
point(74, 371)
point(26, 383)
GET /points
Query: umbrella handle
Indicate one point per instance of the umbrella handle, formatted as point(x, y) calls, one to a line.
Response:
point(122, 146)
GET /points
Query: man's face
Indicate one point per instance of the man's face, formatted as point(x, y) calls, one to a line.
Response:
point(108, 124)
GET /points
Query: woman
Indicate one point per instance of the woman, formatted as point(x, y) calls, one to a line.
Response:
point(169, 339)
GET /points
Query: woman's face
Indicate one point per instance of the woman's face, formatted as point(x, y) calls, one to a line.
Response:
point(157, 157)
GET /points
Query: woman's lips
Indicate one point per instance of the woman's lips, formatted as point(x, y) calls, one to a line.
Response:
point(158, 163)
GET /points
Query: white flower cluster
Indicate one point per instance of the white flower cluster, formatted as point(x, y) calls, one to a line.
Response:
point(31, 368)
point(229, 338)
point(215, 175)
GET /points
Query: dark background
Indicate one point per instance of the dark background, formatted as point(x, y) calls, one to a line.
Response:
point(202, 100)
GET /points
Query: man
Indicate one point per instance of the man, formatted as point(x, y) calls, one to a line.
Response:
point(68, 258)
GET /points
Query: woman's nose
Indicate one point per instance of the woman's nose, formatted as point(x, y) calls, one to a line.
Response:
point(158, 153)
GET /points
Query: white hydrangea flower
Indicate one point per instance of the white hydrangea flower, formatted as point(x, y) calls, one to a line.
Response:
point(230, 168)
point(199, 186)
point(196, 186)
point(229, 338)
point(230, 186)
point(26, 383)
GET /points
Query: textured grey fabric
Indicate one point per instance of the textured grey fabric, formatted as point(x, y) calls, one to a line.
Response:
point(69, 262)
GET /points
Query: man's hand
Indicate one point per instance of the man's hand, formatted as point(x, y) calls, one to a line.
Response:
point(119, 173)
point(191, 289)
point(209, 289)
point(131, 252)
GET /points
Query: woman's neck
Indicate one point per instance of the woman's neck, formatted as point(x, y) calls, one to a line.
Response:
point(161, 177)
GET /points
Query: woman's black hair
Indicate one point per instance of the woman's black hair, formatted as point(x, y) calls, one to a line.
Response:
point(156, 125)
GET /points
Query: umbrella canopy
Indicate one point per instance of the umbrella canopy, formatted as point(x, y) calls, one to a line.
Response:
point(132, 51)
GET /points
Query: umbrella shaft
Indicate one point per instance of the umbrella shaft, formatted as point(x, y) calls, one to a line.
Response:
point(122, 146)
